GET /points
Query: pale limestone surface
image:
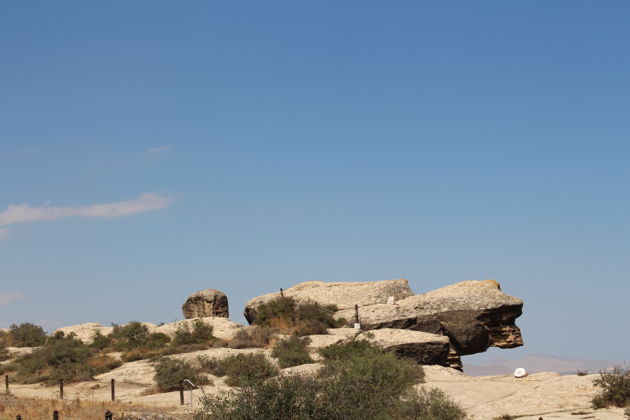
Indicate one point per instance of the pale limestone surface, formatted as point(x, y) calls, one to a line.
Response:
point(543, 394)
point(86, 331)
point(222, 328)
point(318, 342)
point(344, 295)
point(309, 369)
point(389, 337)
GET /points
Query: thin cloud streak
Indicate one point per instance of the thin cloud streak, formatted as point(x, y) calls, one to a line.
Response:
point(23, 213)
point(8, 298)
point(158, 150)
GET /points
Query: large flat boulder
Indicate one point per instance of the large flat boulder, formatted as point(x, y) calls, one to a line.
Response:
point(86, 331)
point(205, 303)
point(344, 295)
point(474, 314)
point(424, 348)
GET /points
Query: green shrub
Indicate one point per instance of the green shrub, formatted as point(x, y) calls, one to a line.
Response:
point(130, 336)
point(27, 335)
point(432, 404)
point(199, 333)
point(243, 369)
point(291, 352)
point(62, 357)
point(615, 388)
point(100, 341)
point(254, 336)
point(169, 374)
point(285, 314)
point(371, 384)
point(212, 366)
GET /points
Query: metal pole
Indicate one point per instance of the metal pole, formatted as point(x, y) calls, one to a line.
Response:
point(6, 383)
point(181, 394)
point(356, 314)
point(55, 415)
point(61, 389)
point(113, 390)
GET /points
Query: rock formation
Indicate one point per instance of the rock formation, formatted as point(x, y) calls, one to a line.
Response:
point(206, 303)
point(424, 348)
point(344, 295)
point(472, 315)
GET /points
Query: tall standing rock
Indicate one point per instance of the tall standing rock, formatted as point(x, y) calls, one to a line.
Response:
point(206, 303)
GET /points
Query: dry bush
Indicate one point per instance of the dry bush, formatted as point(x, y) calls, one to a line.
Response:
point(34, 408)
point(169, 374)
point(288, 316)
point(615, 388)
point(243, 369)
point(292, 352)
point(251, 337)
point(26, 335)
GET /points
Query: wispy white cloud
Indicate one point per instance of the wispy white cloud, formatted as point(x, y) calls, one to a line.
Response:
point(158, 150)
point(23, 213)
point(7, 298)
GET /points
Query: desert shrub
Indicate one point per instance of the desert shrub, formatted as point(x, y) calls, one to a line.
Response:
point(581, 372)
point(615, 388)
point(4, 353)
point(102, 363)
point(212, 366)
point(626, 412)
point(169, 374)
point(286, 314)
point(27, 335)
point(254, 336)
point(199, 333)
point(431, 404)
point(100, 341)
point(291, 352)
point(504, 417)
point(130, 336)
point(372, 384)
point(140, 354)
point(243, 369)
point(342, 351)
point(284, 397)
point(62, 357)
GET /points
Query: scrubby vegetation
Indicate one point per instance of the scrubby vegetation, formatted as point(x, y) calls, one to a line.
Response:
point(170, 373)
point(23, 335)
point(368, 384)
point(246, 369)
point(60, 357)
point(251, 337)
point(289, 316)
point(292, 352)
point(615, 388)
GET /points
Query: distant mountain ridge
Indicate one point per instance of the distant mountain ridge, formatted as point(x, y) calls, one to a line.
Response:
point(538, 363)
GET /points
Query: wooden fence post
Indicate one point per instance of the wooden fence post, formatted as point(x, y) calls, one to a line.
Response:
point(181, 393)
point(113, 389)
point(55, 415)
point(61, 389)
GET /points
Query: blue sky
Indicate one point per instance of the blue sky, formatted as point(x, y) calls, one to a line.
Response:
point(152, 149)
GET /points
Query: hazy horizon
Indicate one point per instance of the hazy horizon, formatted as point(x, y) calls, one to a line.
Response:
point(151, 149)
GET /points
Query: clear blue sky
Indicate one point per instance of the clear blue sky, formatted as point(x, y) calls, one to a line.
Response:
point(149, 149)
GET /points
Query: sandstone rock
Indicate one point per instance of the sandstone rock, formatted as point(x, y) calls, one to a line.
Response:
point(320, 341)
point(206, 303)
point(222, 328)
point(474, 314)
point(424, 348)
point(342, 294)
point(310, 369)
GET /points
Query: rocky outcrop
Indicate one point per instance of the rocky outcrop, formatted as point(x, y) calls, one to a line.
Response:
point(222, 328)
point(86, 331)
point(424, 348)
point(475, 315)
point(344, 295)
point(206, 303)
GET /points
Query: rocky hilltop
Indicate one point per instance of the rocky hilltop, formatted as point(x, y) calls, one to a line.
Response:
point(473, 315)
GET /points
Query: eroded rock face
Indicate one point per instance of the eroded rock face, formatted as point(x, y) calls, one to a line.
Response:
point(342, 294)
point(424, 348)
point(475, 315)
point(206, 303)
point(222, 328)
